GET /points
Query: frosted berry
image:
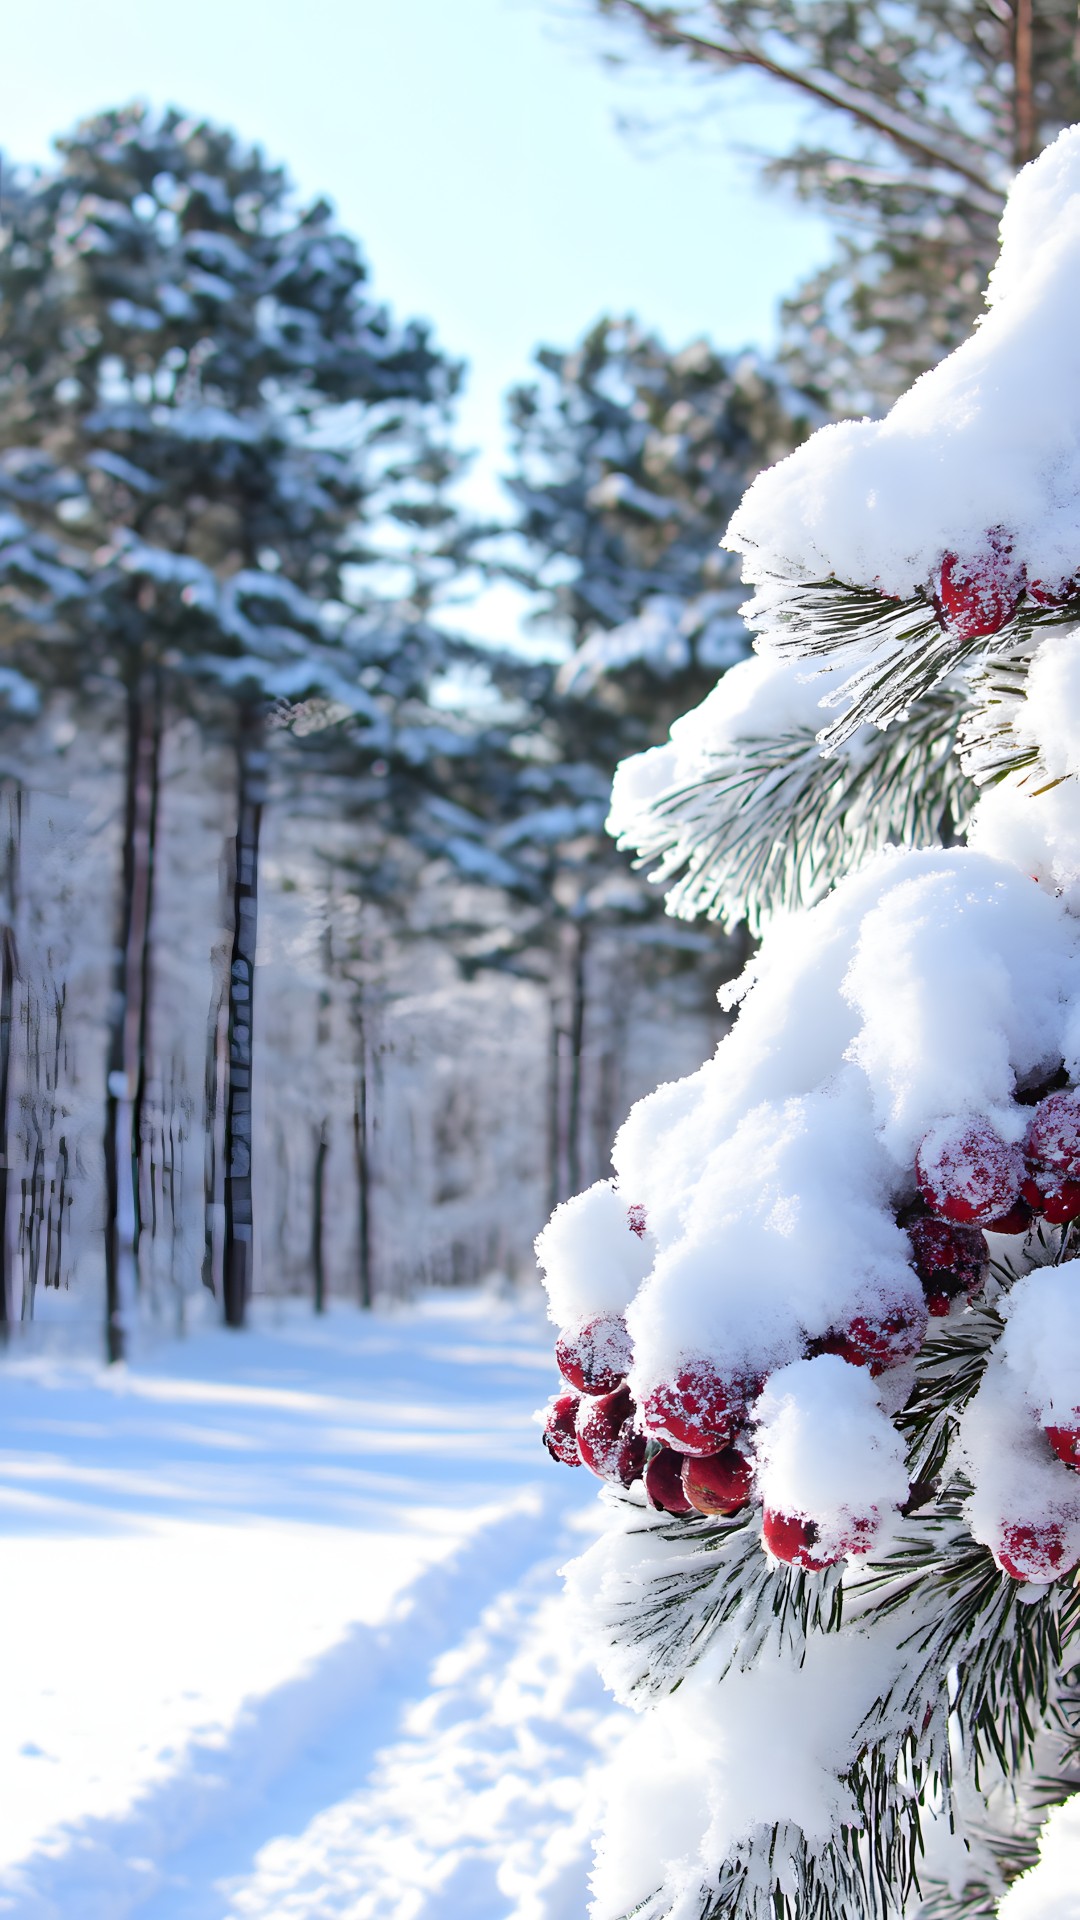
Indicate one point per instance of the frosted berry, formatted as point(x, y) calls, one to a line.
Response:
point(1047, 594)
point(663, 1483)
point(1057, 1201)
point(560, 1430)
point(978, 594)
point(636, 1216)
point(790, 1538)
point(697, 1412)
point(718, 1482)
point(1033, 1552)
point(950, 1261)
point(597, 1357)
point(1066, 1441)
point(1052, 1143)
point(968, 1173)
point(877, 1342)
point(606, 1438)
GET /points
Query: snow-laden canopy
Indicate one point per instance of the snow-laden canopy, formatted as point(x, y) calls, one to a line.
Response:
point(988, 439)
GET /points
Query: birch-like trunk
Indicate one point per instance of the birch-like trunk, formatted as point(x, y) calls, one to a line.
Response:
point(238, 1252)
point(9, 966)
point(125, 1057)
point(362, 1154)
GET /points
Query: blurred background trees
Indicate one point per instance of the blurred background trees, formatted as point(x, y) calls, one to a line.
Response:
point(237, 718)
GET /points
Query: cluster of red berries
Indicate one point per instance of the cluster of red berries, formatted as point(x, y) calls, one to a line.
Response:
point(688, 1440)
point(978, 596)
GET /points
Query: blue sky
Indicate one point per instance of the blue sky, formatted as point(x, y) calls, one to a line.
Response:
point(473, 147)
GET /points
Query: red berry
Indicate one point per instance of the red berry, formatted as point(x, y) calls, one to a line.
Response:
point(597, 1358)
point(606, 1438)
point(1053, 1137)
point(1066, 1441)
point(875, 1342)
point(636, 1216)
point(1046, 595)
point(718, 1482)
point(663, 1483)
point(1033, 1552)
point(789, 1537)
point(1017, 1220)
point(968, 1173)
point(979, 594)
point(697, 1412)
point(950, 1260)
point(560, 1432)
point(1058, 1202)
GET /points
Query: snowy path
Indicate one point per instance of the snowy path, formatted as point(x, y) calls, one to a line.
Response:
point(281, 1634)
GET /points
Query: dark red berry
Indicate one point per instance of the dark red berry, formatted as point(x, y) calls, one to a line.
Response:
point(876, 1343)
point(663, 1483)
point(718, 1482)
point(1017, 1220)
point(968, 1173)
point(560, 1431)
point(950, 1261)
point(597, 1357)
point(979, 593)
point(790, 1538)
point(698, 1411)
point(1066, 1441)
point(1033, 1552)
point(607, 1440)
point(1057, 1202)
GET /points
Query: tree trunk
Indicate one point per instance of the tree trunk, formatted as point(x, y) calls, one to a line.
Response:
point(577, 1047)
point(363, 1173)
point(1024, 127)
point(238, 1253)
point(125, 1061)
point(318, 1217)
point(9, 966)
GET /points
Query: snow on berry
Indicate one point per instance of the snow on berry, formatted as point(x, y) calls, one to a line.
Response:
point(951, 1261)
point(1041, 1343)
point(1065, 1441)
point(560, 1429)
point(1034, 1553)
point(979, 594)
point(827, 1451)
point(718, 1482)
point(967, 1172)
point(1052, 1142)
point(1016, 1478)
point(593, 1258)
point(607, 1440)
point(697, 1410)
point(878, 1342)
point(596, 1357)
point(795, 1540)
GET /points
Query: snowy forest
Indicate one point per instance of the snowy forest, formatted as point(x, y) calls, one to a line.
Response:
point(693, 960)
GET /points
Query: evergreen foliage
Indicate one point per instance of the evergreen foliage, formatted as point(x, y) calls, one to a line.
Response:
point(921, 114)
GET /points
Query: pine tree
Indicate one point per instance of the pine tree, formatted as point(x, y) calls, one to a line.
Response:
point(921, 114)
point(821, 1334)
point(201, 411)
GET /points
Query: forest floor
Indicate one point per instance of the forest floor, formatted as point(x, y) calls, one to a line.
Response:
point(281, 1627)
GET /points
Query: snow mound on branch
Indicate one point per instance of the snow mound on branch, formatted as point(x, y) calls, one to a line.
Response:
point(826, 1449)
point(1017, 1480)
point(712, 1764)
point(592, 1260)
point(1041, 1342)
point(987, 439)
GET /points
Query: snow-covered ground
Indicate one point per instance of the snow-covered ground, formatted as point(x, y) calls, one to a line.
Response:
point(282, 1631)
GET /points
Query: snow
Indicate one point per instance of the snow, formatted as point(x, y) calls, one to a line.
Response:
point(592, 1258)
point(286, 1636)
point(826, 1450)
point(1050, 1890)
point(986, 440)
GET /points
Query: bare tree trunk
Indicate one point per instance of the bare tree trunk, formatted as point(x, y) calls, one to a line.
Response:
point(554, 1101)
point(1023, 60)
point(578, 988)
point(9, 966)
point(125, 1063)
point(318, 1216)
point(361, 1150)
point(238, 1258)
